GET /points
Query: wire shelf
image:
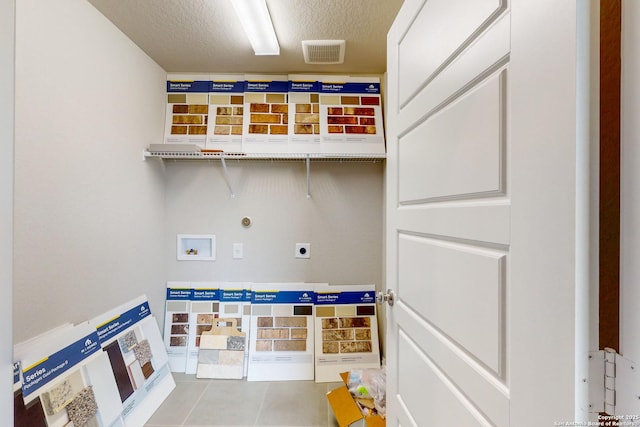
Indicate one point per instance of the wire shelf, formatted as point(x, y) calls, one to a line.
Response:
point(198, 155)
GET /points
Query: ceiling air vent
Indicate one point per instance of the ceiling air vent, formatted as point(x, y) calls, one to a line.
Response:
point(323, 51)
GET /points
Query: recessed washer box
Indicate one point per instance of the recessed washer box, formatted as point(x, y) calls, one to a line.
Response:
point(196, 247)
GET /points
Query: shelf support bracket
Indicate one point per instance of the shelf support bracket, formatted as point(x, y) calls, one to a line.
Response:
point(308, 161)
point(226, 176)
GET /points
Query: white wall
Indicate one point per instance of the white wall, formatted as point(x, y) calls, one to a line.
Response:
point(6, 203)
point(630, 184)
point(93, 227)
point(88, 209)
point(342, 220)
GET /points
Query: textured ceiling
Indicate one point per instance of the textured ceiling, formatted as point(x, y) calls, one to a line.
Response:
point(206, 36)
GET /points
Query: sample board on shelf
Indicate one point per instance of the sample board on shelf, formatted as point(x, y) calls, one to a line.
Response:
point(275, 114)
point(304, 114)
point(226, 113)
point(266, 114)
point(187, 109)
point(351, 115)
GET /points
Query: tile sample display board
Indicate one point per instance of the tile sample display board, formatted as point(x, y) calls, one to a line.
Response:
point(226, 110)
point(351, 115)
point(65, 378)
point(281, 336)
point(274, 114)
point(266, 114)
point(235, 303)
point(304, 114)
point(23, 416)
point(187, 112)
point(129, 334)
point(346, 330)
point(176, 324)
point(222, 349)
point(205, 309)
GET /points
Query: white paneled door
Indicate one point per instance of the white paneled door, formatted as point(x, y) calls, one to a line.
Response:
point(487, 213)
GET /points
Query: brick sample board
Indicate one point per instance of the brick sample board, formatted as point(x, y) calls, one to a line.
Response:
point(281, 334)
point(351, 115)
point(346, 330)
point(266, 114)
point(187, 111)
point(226, 113)
point(304, 114)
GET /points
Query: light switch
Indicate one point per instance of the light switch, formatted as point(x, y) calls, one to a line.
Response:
point(238, 251)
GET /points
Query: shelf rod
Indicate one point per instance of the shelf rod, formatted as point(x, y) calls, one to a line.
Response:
point(308, 176)
point(226, 175)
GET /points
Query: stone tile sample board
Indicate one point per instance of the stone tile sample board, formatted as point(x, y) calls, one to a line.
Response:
point(226, 113)
point(205, 308)
point(351, 115)
point(63, 378)
point(281, 335)
point(176, 324)
point(266, 114)
point(187, 110)
point(346, 330)
point(221, 353)
point(138, 358)
point(235, 303)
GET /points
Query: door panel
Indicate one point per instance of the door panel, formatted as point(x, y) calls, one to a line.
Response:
point(452, 218)
point(459, 151)
point(434, 286)
point(468, 221)
point(458, 19)
point(482, 215)
point(454, 407)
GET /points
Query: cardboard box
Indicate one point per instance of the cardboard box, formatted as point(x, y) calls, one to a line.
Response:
point(347, 411)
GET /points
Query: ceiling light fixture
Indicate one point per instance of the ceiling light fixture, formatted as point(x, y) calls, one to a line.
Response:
point(256, 22)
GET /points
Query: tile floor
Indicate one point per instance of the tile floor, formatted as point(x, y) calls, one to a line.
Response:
point(197, 402)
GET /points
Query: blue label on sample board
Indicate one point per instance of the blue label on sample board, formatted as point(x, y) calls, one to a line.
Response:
point(223, 86)
point(179, 294)
point(266, 86)
point(118, 324)
point(206, 295)
point(188, 86)
point(304, 86)
point(371, 88)
point(282, 297)
point(36, 376)
point(364, 297)
point(227, 295)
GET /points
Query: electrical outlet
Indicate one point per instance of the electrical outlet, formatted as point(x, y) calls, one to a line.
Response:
point(303, 250)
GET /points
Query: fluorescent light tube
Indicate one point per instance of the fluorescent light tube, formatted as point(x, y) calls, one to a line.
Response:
point(256, 22)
